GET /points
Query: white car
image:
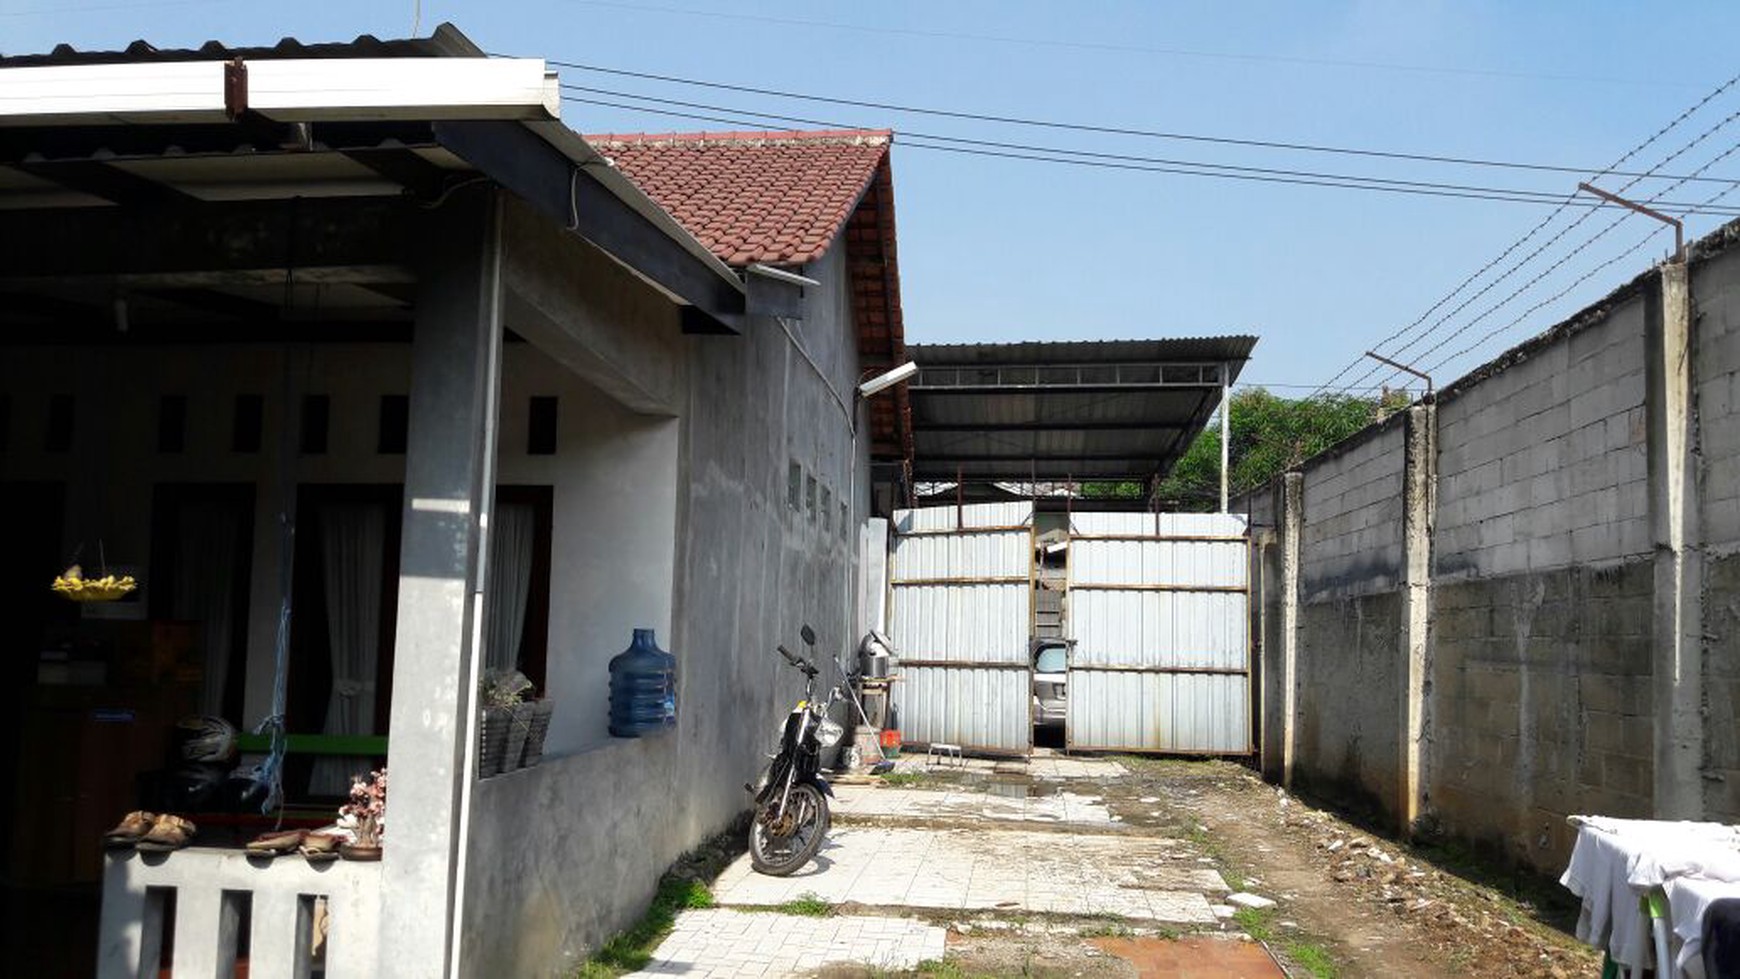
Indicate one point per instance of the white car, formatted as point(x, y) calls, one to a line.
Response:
point(1050, 676)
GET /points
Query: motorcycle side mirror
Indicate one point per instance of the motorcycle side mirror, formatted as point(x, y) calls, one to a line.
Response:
point(809, 635)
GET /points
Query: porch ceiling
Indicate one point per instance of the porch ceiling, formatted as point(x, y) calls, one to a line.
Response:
point(187, 204)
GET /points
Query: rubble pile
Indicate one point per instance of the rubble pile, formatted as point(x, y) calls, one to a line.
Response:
point(1454, 914)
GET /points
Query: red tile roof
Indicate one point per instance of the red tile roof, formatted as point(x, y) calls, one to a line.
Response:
point(779, 197)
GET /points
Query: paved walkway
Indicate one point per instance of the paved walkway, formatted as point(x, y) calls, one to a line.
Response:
point(1142, 879)
point(999, 844)
point(724, 944)
point(1038, 767)
point(862, 802)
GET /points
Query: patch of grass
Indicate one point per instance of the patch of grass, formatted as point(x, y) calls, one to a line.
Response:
point(682, 889)
point(1257, 922)
point(633, 949)
point(1107, 929)
point(904, 778)
point(807, 904)
point(1312, 958)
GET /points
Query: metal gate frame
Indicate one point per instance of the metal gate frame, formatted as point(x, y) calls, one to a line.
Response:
point(1245, 669)
point(927, 660)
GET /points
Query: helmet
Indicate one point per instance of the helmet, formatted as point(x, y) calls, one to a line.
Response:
point(205, 739)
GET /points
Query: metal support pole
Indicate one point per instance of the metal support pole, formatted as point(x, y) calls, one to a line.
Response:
point(1679, 229)
point(1225, 438)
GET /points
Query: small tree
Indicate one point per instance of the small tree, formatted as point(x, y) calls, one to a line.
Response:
point(1270, 435)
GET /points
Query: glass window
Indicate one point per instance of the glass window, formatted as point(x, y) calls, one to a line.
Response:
point(827, 510)
point(810, 497)
point(794, 486)
point(1052, 659)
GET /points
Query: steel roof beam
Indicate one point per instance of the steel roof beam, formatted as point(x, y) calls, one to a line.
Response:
point(921, 426)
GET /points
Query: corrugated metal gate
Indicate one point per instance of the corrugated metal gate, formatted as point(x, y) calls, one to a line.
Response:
point(961, 611)
point(1158, 608)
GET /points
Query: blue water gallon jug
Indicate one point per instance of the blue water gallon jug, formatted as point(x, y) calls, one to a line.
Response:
point(643, 688)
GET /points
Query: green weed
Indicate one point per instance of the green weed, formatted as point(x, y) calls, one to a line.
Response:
point(1312, 958)
point(1257, 923)
point(633, 949)
point(807, 904)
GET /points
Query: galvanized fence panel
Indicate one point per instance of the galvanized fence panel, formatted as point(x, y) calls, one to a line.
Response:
point(960, 613)
point(1159, 612)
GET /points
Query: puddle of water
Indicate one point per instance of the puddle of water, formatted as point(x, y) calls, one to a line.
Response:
point(1015, 787)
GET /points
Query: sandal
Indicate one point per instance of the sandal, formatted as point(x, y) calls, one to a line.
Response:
point(275, 844)
point(169, 832)
point(320, 847)
point(128, 831)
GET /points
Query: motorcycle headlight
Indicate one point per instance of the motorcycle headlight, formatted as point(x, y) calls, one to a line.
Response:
point(829, 734)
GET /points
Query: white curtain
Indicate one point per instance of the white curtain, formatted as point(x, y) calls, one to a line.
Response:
point(510, 579)
point(207, 541)
point(353, 545)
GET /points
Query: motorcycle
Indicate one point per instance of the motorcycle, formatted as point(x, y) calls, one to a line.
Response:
point(791, 797)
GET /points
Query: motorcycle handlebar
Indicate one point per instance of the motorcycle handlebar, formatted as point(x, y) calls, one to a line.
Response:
point(797, 661)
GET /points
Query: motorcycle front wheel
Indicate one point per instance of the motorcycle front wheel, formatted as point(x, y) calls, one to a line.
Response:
point(779, 848)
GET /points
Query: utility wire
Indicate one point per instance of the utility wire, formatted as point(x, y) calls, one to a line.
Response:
point(1379, 369)
point(1107, 46)
point(1563, 292)
point(1091, 128)
point(1530, 234)
point(1111, 161)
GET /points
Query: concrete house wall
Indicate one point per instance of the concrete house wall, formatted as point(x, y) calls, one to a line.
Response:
point(560, 856)
point(1483, 615)
point(676, 519)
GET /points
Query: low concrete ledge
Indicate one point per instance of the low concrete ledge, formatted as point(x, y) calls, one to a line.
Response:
point(213, 889)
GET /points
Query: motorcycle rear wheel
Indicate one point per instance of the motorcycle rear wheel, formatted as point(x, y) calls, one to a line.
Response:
point(782, 856)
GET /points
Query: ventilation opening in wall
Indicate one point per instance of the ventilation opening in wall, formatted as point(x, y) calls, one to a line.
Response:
point(541, 426)
point(57, 434)
point(172, 423)
point(395, 425)
point(250, 411)
point(316, 417)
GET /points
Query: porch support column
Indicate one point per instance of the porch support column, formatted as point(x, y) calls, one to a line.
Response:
point(1679, 556)
point(449, 484)
point(1419, 509)
point(1292, 521)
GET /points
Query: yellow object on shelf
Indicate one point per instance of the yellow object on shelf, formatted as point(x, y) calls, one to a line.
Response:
point(104, 589)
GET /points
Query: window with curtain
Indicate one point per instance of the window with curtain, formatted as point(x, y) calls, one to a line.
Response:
point(353, 538)
point(202, 553)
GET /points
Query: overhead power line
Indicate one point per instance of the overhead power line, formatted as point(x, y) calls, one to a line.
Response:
point(1565, 258)
point(1529, 235)
point(1092, 158)
point(1085, 127)
point(1239, 56)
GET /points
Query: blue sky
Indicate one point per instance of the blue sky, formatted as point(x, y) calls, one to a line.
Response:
point(995, 249)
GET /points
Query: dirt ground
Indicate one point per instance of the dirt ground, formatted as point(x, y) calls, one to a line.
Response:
point(1377, 908)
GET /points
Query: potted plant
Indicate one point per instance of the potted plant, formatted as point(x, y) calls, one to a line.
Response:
point(365, 817)
point(502, 694)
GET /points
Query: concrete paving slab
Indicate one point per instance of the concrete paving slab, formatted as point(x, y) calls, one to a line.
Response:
point(723, 944)
point(968, 804)
point(1038, 766)
point(1140, 878)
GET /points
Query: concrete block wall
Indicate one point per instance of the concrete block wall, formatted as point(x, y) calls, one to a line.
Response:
point(1541, 705)
point(1353, 536)
point(1350, 618)
point(1716, 304)
point(1544, 463)
point(1578, 563)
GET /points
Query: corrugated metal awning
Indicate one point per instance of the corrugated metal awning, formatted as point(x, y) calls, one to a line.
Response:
point(1119, 409)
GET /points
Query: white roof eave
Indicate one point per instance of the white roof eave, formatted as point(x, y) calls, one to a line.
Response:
point(327, 90)
point(287, 90)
